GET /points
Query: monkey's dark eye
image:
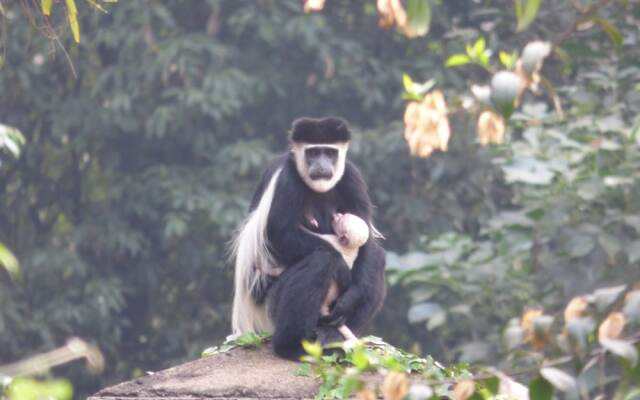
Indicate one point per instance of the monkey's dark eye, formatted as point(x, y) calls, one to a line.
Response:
point(313, 152)
point(331, 153)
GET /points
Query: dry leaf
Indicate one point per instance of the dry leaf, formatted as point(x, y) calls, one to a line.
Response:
point(391, 13)
point(530, 63)
point(530, 81)
point(576, 308)
point(313, 5)
point(491, 128)
point(395, 386)
point(527, 323)
point(366, 394)
point(427, 125)
point(612, 327)
point(464, 389)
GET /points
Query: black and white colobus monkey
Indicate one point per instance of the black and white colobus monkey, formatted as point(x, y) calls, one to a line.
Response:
point(312, 182)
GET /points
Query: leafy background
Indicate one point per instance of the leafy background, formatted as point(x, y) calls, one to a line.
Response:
point(137, 170)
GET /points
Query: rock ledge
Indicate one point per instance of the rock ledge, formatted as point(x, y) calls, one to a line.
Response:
point(236, 374)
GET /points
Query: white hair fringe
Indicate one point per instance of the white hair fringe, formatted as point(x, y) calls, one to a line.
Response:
point(252, 258)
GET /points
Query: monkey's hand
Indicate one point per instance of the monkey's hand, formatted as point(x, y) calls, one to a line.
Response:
point(330, 238)
point(345, 306)
point(337, 316)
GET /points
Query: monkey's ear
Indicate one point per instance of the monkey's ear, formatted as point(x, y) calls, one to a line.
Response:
point(320, 130)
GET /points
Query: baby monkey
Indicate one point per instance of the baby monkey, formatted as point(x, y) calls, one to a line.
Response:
point(351, 232)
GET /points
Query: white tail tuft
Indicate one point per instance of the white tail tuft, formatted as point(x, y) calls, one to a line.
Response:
point(253, 261)
point(376, 233)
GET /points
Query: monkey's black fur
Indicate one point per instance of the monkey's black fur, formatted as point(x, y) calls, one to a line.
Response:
point(323, 130)
point(294, 298)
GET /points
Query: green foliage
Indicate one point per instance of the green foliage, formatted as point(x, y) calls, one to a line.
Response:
point(247, 340)
point(72, 13)
point(454, 278)
point(526, 12)
point(343, 375)
point(575, 354)
point(476, 53)
point(414, 90)
point(570, 225)
point(419, 17)
point(31, 389)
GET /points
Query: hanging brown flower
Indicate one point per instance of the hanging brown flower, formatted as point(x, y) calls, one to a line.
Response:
point(313, 5)
point(391, 13)
point(427, 125)
point(491, 128)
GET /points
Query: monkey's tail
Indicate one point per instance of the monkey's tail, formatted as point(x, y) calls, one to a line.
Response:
point(252, 258)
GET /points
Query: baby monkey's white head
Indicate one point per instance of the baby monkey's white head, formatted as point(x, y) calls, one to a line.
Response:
point(352, 231)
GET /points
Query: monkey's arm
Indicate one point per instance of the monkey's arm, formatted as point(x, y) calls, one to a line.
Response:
point(354, 196)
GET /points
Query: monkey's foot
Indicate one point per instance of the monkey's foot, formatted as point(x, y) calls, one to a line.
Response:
point(328, 335)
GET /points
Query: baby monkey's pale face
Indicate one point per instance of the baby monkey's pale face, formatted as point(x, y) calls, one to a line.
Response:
point(351, 230)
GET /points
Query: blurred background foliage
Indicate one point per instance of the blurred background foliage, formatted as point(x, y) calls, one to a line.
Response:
point(137, 169)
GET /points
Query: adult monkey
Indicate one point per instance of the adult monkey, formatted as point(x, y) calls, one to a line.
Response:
point(300, 191)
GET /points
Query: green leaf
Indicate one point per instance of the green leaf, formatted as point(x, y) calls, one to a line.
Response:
point(46, 7)
point(605, 297)
point(479, 46)
point(407, 82)
point(513, 336)
point(492, 384)
point(526, 13)
point(508, 60)
point(424, 311)
point(415, 91)
point(72, 14)
point(457, 60)
point(559, 379)
point(360, 359)
point(578, 331)
point(303, 370)
point(10, 263)
point(410, 96)
point(97, 6)
point(249, 339)
point(31, 389)
point(622, 349)
point(419, 17)
point(314, 349)
point(209, 351)
point(634, 394)
point(632, 307)
point(528, 170)
point(421, 89)
point(612, 31)
point(11, 139)
point(540, 389)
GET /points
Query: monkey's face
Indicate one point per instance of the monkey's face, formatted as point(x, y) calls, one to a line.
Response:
point(320, 166)
point(321, 162)
point(351, 230)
